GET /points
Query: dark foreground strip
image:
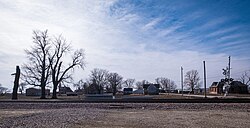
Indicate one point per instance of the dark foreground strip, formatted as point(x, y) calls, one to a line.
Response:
point(202, 100)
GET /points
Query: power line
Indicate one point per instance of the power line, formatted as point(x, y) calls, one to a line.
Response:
point(219, 60)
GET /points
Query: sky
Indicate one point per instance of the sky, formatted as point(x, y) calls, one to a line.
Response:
point(141, 39)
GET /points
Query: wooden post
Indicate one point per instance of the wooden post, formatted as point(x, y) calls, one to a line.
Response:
point(16, 83)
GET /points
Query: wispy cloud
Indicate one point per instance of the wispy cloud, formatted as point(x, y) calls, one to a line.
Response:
point(151, 24)
point(237, 42)
point(230, 37)
point(211, 24)
point(168, 31)
point(223, 31)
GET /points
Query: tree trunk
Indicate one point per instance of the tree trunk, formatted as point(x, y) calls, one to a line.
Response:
point(99, 90)
point(43, 82)
point(54, 91)
point(16, 83)
point(192, 90)
point(114, 91)
point(43, 95)
point(59, 93)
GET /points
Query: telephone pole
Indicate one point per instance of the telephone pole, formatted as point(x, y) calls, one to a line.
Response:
point(181, 81)
point(229, 59)
point(205, 83)
point(228, 78)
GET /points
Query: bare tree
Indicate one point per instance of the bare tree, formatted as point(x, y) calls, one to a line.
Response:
point(129, 83)
point(158, 81)
point(115, 80)
point(58, 72)
point(166, 83)
point(2, 89)
point(172, 85)
point(192, 79)
point(245, 78)
point(37, 70)
point(22, 87)
point(100, 77)
point(145, 82)
point(139, 84)
point(81, 86)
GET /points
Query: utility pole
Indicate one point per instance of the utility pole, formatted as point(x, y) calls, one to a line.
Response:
point(205, 83)
point(229, 59)
point(228, 79)
point(181, 81)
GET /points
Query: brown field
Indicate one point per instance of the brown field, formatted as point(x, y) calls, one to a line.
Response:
point(127, 115)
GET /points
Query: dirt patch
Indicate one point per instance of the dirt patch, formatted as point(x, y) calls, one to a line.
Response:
point(124, 115)
point(127, 118)
point(15, 113)
point(179, 119)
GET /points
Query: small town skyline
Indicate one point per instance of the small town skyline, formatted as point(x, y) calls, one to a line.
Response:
point(140, 40)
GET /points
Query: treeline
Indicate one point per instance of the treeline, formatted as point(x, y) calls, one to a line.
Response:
point(101, 80)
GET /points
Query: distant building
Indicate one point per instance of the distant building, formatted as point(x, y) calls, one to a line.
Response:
point(80, 91)
point(238, 87)
point(235, 87)
point(139, 91)
point(94, 89)
point(151, 89)
point(127, 91)
point(64, 90)
point(216, 88)
point(67, 91)
point(36, 92)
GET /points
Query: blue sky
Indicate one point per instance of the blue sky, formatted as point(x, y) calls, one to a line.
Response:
point(138, 39)
point(207, 26)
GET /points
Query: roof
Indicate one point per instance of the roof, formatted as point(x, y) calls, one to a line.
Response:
point(237, 83)
point(67, 89)
point(145, 86)
point(138, 91)
point(217, 84)
point(36, 89)
point(128, 89)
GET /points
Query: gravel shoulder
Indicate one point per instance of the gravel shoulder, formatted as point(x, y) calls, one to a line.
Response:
point(141, 115)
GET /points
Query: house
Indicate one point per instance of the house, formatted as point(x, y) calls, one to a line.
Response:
point(80, 91)
point(36, 92)
point(151, 89)
point(238, 87)
point(127, 91)
point(93, 89)
point(235, 87)
point(139, 92)
point(67, 91)
point(216, 88)
point(64, 90)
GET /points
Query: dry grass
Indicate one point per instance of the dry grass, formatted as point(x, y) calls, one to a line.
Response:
point(126, 118)
point(161, 96)
point(24, 97)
